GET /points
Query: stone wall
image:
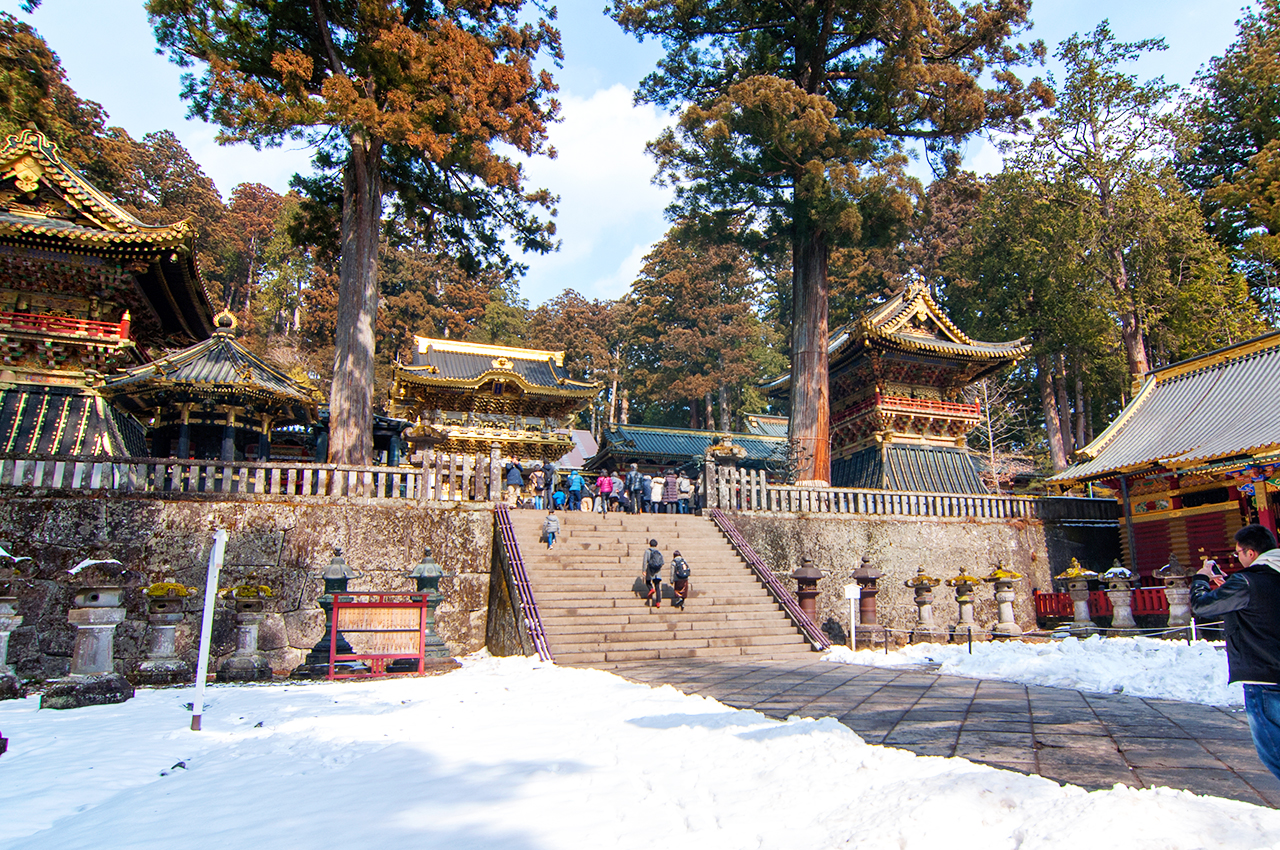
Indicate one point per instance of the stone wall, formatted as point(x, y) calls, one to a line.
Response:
point(899, 547)
point(285, 544)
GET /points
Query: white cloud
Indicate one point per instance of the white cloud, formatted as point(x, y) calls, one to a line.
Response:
point(609, 207)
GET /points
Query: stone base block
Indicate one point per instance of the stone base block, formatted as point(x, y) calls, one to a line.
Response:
point(965, 633)
point(164, 672)
point(11, 688)
point(79, 691)
point(245, 668)
point(928, 637)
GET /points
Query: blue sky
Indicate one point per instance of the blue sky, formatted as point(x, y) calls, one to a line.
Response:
point(609, 212)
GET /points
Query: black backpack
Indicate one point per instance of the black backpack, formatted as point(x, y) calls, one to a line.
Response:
point(654, 561)
point(681, 569)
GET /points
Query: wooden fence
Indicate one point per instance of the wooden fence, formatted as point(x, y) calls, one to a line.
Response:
point(749, 490)
point(440, 477)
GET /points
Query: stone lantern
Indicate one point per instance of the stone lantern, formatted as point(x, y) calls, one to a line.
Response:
point(336, 576)
point(10, 687)
point(427, 573)
point(1077, 579)
point(925, 631)
point(866, 576)
point(1118, 582)
point(247, 663)
point(1177, 589)
point(806, 576)
point(97, 611)
point(966, 628)
point(165, 601)
point(1004, 580)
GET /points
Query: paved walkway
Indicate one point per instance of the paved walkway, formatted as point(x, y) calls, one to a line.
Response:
point(1092, 740)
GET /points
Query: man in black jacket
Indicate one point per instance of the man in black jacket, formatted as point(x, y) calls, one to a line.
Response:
point(1249, 604)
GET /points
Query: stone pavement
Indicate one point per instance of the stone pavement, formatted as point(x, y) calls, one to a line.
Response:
point(1091, 740)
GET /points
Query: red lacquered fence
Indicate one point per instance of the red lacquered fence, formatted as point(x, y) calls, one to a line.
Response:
point(1145, 601)
point(64, 326)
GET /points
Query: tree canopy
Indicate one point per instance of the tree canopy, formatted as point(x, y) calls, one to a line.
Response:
point(795, 118)
point(416, 101)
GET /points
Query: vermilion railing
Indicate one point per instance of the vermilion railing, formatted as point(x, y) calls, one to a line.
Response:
point(61, 325)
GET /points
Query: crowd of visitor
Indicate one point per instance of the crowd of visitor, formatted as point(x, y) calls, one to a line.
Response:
point(542, 486)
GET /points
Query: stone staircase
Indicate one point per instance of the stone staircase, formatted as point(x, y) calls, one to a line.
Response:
point(587, 591)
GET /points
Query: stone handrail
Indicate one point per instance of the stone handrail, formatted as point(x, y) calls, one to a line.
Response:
point(749, 490)
point(815, 635)
point(440, 477)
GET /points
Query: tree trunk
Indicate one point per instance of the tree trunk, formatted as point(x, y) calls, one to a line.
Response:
point(693, 414)
point(1080, 441)
point(1052, 423)
point(350, 401)
point(613, 402)
point(711, 420)
point(724, 407)
point(810, 391)
point(625, 413)
point(1135, 348)
point(1064, 407)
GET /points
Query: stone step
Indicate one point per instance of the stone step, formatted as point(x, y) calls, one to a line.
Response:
point(658, 617)
point(657, 654)
point(737, 643)
point(664, 630)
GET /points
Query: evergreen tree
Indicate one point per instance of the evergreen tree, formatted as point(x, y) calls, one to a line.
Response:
point(794, 119)
point(407, 99)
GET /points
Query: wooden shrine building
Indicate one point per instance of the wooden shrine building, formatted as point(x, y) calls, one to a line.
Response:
point(1194, 457)
point(898, 414)
point(213, 400)
point(478, 396)
point(85, 288)
point(657, 449)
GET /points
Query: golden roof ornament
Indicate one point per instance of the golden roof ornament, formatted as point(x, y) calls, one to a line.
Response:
point(225, 322)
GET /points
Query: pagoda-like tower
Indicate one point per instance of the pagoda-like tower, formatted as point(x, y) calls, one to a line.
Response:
point(478, 396)
point(213, 400)
point(898, 414)
point(85, 288)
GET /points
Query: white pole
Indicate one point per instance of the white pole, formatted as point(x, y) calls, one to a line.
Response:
point(206, 623)
point(853, 592)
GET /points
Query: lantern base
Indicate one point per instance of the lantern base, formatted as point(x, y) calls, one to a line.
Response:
point(79, 691)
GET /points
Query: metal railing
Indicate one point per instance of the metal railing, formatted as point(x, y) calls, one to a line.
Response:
point(525, 605)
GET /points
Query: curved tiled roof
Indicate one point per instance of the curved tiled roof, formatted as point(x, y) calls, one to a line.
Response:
point(219, 366)
point(643, 441)
point(48, 205)
point(1210, 408)
point(465, 365)
point(912, 321)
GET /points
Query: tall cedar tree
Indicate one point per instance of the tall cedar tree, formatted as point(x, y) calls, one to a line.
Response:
point(1104, 132)
point(695, 333)
point(1234, 165)
point(410, 99)
point(795, 115)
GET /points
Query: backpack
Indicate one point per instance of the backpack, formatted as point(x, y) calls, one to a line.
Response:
point(654, 560)
point(681, 569)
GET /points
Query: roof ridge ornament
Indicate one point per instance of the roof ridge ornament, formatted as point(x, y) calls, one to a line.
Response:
point(225, 322)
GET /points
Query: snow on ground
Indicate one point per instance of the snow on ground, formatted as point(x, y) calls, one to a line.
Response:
point(518, 754)
point(1137, 666)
